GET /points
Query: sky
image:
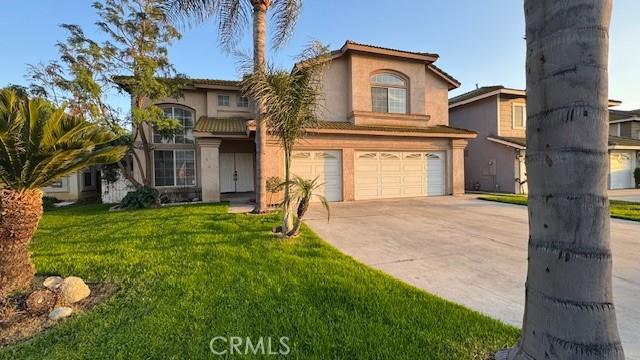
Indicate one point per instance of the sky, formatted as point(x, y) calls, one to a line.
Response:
point(479, 42)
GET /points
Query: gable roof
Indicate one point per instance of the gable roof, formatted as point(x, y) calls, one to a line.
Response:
point(424, 57)
point(488, 91)
point(483, 93)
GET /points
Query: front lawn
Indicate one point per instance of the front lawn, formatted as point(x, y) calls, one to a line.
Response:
point(619, 209)
point(190, 273)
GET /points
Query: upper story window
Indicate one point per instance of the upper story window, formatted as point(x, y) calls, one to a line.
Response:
point(243, 102)
point(185, 134)
point(223, 100)
point(519, 116)
point(637, 134)
point(388, 93)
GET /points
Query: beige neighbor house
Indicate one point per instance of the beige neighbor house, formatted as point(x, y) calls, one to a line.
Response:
point(384, 133)
point(81, 185)
point(495, 160)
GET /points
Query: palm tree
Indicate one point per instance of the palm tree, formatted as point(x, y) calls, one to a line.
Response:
point(39, 144)
point(301, 193)
point(569, 311)
point(232, 18)
point(293, 99)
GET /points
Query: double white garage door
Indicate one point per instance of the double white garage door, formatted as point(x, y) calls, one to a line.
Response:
point(382, 174)
point(377, 174)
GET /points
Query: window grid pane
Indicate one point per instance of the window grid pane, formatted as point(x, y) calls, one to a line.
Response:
point(379, 99)
point(243, 101)
point(518, 116)
point(223, 100)
point(185, 134)
point(163, 166)
point(185, 168)
point(397, 101)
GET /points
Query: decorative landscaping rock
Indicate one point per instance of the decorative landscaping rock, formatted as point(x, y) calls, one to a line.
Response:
point(73, 289)
point(52, 282)
point(40, 301)
point(60, 313)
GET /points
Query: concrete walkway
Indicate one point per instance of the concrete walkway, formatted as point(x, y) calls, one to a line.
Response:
point(469, 251)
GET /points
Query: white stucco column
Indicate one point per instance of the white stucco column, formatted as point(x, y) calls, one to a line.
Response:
point(209, 150)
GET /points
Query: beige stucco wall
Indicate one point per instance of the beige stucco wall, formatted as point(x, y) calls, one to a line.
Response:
point(335, 95)
point(73, 187)
point(348, 144)
point(347, 89)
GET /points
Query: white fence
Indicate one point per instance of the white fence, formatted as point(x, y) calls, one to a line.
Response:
point(114, 192)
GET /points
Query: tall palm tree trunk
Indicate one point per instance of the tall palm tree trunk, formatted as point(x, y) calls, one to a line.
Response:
point(569, 311)
point(259, 38)
point(20, 212)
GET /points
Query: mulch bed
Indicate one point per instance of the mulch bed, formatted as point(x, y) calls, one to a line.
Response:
point(17, 324)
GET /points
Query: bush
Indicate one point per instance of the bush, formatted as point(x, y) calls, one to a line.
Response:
point(48, 203)
point(141, 199)
point(636, 175)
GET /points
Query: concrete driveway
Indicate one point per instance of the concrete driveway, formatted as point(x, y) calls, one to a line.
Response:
point(469, 251)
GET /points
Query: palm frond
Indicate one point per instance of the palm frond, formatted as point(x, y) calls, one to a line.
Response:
point(284, 16)
point(40, 143)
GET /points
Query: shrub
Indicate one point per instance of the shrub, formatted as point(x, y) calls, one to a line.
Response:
point(48, 203)
point(141, 199)
point(636, 175)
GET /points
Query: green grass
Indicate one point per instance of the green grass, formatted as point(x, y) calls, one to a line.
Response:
point(190, 273)
point(619, 209)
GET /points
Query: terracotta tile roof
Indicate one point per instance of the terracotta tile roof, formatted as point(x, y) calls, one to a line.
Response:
point(124, 81)
point(347, 126)
point(613, 141)
point(437, 129)
point(390, 49)
point(222, 126)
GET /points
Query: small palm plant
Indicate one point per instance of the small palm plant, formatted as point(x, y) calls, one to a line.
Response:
point(292, 101)
point(302, 191)
point(39, 144)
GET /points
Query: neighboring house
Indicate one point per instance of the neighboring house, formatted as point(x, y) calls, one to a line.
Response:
point(384, 133)
point(495, 160)
point(80, 185)
point(624, 123)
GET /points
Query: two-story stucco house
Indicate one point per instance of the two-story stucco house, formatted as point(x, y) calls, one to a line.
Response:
point(495, 160)
point(384, 133)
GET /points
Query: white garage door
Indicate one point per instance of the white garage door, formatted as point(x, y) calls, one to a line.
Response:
point(621, 169)
point(386, 174)
point(324, 164)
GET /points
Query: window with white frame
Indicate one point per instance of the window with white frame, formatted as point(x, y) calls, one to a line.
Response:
point(223, 100)
point(243, 102)
point(174, 167)
point(184, 135)
point(519, 116)
point(388, 93)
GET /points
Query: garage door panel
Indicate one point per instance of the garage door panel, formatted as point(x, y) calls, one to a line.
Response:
point(385, 174)
point(325, 165)
point(621, 170)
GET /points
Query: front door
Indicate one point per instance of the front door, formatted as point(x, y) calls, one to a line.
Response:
point(236, 172)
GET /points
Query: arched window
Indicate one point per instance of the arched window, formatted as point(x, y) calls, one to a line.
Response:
point(388, 93)
point(185, 117)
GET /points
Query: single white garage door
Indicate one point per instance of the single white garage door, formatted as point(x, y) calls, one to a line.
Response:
point(324, 164)
point(621, 170)
point(386, 174)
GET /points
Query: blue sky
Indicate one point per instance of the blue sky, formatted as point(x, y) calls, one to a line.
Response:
point(479, 42)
